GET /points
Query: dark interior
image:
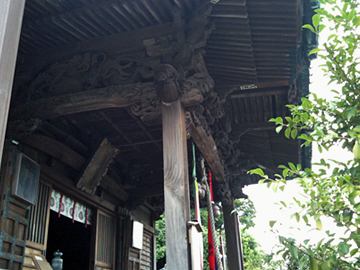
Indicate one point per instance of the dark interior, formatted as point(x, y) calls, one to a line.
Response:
point(72, 239)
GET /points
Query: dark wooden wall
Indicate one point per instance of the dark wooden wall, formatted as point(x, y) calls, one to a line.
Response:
point(14, 217)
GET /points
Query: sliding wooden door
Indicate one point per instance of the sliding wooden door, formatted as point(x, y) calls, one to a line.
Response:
point(105, 241)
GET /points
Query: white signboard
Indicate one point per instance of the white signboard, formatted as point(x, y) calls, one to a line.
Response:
point(137, 237)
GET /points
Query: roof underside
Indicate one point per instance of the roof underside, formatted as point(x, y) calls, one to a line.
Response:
point(254, 42)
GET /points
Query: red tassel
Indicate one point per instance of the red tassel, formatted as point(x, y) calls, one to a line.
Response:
point(211, 250)
point(74, 212)
point(210, 185)
point(61, 201)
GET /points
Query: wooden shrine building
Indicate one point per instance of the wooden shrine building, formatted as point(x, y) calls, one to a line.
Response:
point(102, 98)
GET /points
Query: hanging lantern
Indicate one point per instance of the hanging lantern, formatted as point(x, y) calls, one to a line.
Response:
point(216, 210)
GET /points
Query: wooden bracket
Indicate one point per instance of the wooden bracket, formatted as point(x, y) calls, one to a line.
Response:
point(207, 146)
point(97, 167)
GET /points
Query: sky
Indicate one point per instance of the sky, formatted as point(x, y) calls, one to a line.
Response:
point(264, 198)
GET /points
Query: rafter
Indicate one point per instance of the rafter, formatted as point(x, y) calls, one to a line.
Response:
point(117, 43)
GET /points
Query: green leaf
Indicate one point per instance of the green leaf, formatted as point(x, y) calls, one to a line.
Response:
point(257, 171)
point(294, 133)
point(292, 166)
point(305, 218)
point(316, 20)
point(353, 195)
point(308, 26)
point(318, 224)
point(272, 223)
point(287, 132)
point(278, 129)
point(261, 181)
point(319, 148)
point(332, 36)
point(282, 188)
point(344, 247)
point(351, 112)
point(294, 252)
point(275, 186)
point(354, 251)
point(297, 216)
point(315, 51)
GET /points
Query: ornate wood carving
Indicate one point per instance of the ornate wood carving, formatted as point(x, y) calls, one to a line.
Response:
point(97, 167)
point(208, 148)
point(86, 72)
point(96, 99)
point(190, 38)
point(194, 88)
point(167, 81)
point(225, 194)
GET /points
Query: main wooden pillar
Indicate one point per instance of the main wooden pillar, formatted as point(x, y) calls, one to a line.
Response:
point(11, 14)
point(176, 178)
point(233, 238)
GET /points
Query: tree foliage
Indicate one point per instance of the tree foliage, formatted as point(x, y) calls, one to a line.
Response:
point(325, 123)
point(254, 258)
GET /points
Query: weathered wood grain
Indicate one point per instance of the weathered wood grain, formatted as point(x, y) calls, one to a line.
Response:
point(97, 167)
point(116, 96)
point(56, 149)
point(176, 186)
point(233, 238)
point(11, 14)
point(207, 147)
point(109, 97)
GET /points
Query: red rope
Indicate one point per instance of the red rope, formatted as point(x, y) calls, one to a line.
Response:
point(74, 212)
point(61, 201)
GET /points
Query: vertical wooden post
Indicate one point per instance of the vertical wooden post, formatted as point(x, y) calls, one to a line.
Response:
point(11, 14)
point(233, 238)
point(176, 186)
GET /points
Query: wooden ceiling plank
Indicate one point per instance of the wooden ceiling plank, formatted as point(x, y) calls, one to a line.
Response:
point(122, 42)
point(120, 131)
point(144, 129)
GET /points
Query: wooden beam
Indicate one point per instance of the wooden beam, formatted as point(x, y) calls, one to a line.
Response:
point(109, 97)
point(207, 147)
point(110, 185)
point(176, 186)
point(119, 43)
point(56, 149)
point(11, 15)
point(259, 93)
point(233, 238)
point(117, 96)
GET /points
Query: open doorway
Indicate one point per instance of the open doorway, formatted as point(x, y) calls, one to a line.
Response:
point(72, 239)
